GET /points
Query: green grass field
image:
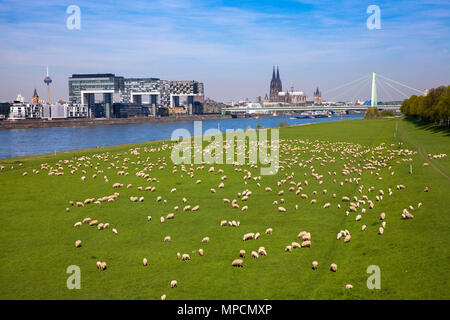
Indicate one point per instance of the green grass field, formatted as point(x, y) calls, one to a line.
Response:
point(37, 234)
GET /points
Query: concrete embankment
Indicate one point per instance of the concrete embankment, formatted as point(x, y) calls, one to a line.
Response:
point(30, 124)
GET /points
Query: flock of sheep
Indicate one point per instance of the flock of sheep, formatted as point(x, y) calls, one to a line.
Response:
point(304, 179)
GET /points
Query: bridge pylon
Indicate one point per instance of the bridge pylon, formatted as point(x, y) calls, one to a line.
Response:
point(374, 100)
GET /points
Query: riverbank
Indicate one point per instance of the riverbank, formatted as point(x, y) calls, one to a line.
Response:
point(83, 122)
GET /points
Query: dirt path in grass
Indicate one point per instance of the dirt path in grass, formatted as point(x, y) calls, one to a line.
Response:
point(421, 152)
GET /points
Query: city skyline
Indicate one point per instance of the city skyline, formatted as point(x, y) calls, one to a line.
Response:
point(229, 46)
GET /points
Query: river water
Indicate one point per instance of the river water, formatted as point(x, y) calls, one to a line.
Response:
point(24, 142)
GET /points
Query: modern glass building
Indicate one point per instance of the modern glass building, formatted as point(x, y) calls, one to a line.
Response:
point(161, 93)
point(84, 87)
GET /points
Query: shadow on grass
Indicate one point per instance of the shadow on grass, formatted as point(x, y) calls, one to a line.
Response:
point(428, 126)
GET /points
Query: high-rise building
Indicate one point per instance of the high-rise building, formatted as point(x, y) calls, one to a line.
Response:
point(317, 97)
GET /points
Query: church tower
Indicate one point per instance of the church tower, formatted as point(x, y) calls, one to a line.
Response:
point(317, 97)
point(35, 98)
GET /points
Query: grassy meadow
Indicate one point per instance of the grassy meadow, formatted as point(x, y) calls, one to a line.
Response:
point(37, 235)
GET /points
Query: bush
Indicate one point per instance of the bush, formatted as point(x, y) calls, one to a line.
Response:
point(387, 113)
point(283, 124)
point(258, 126)
point(371, 113)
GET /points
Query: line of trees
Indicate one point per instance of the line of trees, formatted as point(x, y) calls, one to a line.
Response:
point(434, 107)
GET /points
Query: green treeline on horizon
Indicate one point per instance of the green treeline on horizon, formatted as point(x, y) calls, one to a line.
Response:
point(434, 107)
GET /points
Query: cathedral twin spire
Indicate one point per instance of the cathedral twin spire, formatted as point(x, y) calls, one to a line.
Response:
point(275, 85)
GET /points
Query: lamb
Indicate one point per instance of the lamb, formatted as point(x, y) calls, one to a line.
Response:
point(149, 218)
point(163, 297)
point(363, 227)
point(144, 261)
point(178, 255)
point(173, 283)
point(333, 267)
point(114, 231)
point(161, 219)
point(314, 265)
point(77, 243)
point(205, 240)
point(242, 253)
point(380, 230)
point(238, 263)
point(167, 239)
point(347, 238)
point(288, 249)
point(382, 216)
point(348, 286)
point(185, 257)
point(200, 252)
point(255, 255)
point(269, 231)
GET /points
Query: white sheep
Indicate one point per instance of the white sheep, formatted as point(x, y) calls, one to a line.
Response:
point(295, 245)
point(333, 267)
point(269, 231)
point(314, 265)
point(173, 283)
point(77, 243)
point(255, 255)
point(238, 263)
point(144, 261)
point(185, 257)
point(205, 240)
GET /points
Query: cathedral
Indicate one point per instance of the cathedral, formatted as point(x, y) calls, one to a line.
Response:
point(276, 87)
point(278, 95)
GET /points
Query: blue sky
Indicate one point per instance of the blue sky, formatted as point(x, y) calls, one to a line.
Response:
point(229, 45)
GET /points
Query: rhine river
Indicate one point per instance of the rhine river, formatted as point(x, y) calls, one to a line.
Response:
point(25, 142)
